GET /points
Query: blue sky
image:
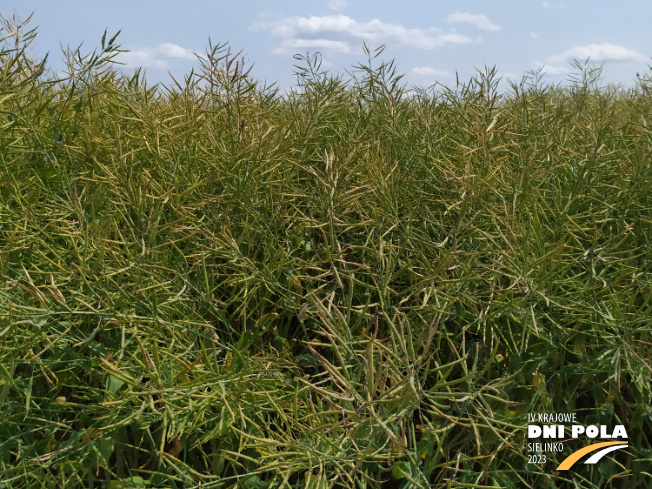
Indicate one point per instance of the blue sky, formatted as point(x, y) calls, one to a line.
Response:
point(429, 40)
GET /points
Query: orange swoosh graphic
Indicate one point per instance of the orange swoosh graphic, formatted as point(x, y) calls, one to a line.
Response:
point(574, 457)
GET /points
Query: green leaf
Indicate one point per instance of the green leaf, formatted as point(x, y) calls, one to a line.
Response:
point(113, 384)
point(51, 175)
point(254, 482)
point(129, 483)
point(400, 469)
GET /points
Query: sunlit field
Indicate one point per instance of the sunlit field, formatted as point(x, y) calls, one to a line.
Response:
point(213, 283)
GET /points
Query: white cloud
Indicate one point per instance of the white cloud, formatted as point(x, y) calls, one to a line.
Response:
point(340, 33)
point(534, 35)
point(429, 71)
point(141, 58)
point(156, 58)
point(327, 45)
point(558, 5)
point(552, 69)
point(598, 52)
point(175, 51)
point(337, 4)
point(510, 76)
point(478, 20)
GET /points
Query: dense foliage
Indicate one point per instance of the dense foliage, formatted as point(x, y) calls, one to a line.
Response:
point(351, 284)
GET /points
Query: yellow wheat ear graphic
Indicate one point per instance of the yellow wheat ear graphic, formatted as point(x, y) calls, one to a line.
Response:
point(574, 457)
